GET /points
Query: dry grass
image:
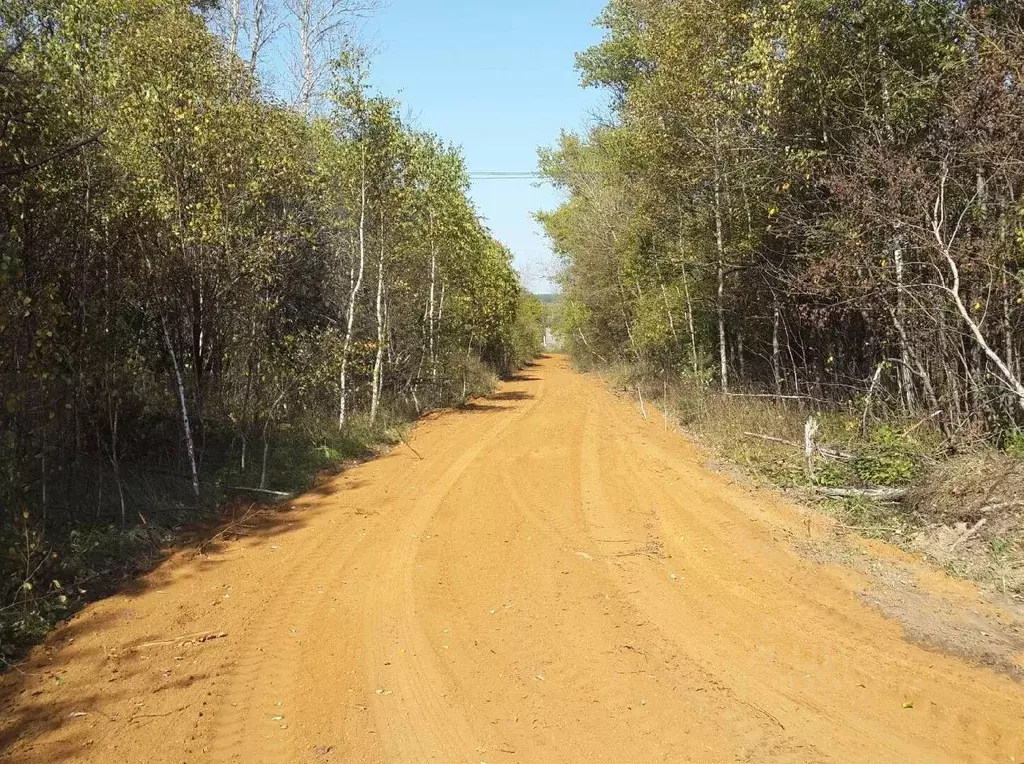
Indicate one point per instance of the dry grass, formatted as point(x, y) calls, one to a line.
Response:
point(967, 489)
point(971, 513)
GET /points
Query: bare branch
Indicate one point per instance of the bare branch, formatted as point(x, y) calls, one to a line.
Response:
point(11, 170)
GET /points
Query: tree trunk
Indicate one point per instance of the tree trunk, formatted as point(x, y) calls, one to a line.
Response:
point(377, 364)
point(720, 303)
point(234, 26)
point(266, 451)
point(668, 313)
point(304, 16)
point(259, 37)
point(625, 319)
point(689, 324)
point(186, 428)
point(906, 375)
point(115, 462)
point(440, 312)
point(357, 284)
point(741, 359)
point(433, 281)
point(1011, 380)
point(1008, 347)
point(686, 295)
point(776, 352)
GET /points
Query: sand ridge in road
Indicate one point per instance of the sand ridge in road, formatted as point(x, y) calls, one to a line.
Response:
point(556, 580)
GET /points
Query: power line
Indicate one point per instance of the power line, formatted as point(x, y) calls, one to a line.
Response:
point(497, 175)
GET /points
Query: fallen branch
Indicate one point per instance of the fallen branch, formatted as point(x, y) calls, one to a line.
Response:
point(878, 494)
point(203, 636)
point(926, 419)
point(583, 337)
point(409, 445)
point(1001, 505)
point(831, 453)
point(149, 533)
point(776, 397)
point(231, 527)
point(283, 495)
point(968, 533)
point(863, 528)
point(156, 716)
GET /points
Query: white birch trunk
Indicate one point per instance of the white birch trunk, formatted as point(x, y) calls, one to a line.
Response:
point(378, 361)
point(234, 26)
point(668, 312)
point(439, 322)
point(776, 351)
point(185, 426)
point(303, 11)
point(906, 375)
point(686, 296)
point(1011, 380)
point(353, 295)
point(720, 243)
point(260, 36)
point(433, 281)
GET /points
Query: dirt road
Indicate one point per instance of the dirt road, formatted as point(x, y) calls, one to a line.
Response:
point(555, 580)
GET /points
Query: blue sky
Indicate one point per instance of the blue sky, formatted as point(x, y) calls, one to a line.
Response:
point(496, 77)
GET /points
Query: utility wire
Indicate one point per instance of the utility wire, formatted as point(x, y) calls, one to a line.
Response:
point(504, 175)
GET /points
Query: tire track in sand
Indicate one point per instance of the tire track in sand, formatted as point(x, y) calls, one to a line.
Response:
point(412, 696)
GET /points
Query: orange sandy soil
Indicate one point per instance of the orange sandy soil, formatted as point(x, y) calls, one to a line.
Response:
point(555, 580)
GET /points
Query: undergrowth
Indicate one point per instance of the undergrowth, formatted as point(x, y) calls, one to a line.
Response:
point(100, 530)
point(54, 564)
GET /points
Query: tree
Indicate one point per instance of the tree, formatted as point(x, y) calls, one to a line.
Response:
point(825, 191)
point(190, 271)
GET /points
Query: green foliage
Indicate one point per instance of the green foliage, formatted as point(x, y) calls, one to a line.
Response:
point(200, 287)
point(527, 340)
point(891, 459)
point(1013, 444)
point(753, 208)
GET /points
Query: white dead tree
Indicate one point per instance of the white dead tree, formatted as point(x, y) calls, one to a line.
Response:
point(951, 285)
point(720, 248)
point(262, 28)
point(378, 363)
point(235, 23)
point(186, 426)
point(319, 28)
point(247, 28)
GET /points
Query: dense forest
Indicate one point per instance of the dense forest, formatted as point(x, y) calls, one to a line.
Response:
point(810, 201)
point(205, 281)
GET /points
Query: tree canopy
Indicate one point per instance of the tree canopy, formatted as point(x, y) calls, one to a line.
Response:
point(190, 269)
point(809, 198)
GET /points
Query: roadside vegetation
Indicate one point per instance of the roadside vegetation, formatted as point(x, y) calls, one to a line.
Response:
point(800, 229)
point(208, 287)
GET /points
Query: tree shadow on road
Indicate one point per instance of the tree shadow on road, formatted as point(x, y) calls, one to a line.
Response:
point(38, 703)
